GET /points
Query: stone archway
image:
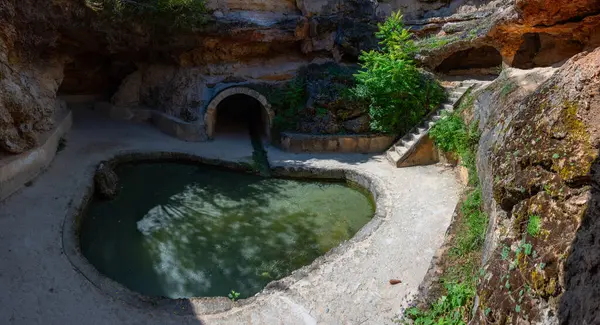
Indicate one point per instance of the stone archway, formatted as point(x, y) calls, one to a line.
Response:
point(210, 118)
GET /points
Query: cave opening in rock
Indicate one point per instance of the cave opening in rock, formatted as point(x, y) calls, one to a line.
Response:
point(478, 60)
point(543, 50)
point(241, 115)
point(90, 74)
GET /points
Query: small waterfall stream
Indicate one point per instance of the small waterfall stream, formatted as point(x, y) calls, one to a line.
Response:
point(259, 154)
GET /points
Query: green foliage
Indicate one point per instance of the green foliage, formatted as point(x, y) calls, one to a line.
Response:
point(472, 237)
point(397, 92)
point(233, 295)
point(534, 225)
point(288, 102)
point(449, 309)
point(451, 134)
point(435, 42)
point(395, 40)
point(329, 83)
point(176, 13)
point(460, 278)
point(508, 88)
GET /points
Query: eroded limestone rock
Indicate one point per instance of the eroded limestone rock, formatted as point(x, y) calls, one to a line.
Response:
point(172, 90)
point(358, 125)
point(537, 159)
point(106, 181)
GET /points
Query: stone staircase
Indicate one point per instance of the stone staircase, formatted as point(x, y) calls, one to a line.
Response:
point(402, 149)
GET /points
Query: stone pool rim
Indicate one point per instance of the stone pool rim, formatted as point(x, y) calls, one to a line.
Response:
point(210, 305)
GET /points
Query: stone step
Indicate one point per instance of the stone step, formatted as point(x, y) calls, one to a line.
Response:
point(400, 150)
point(407, 138)
point(393, 157)
point(448, 107)
point(397, 152)
point(410, 143)
point(455, 95)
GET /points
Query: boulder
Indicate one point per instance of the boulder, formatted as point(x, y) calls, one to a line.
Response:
point(106, 181)
point(357, 125)
point(319, 124)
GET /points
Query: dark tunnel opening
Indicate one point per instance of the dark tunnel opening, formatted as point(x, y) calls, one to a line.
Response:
point(479, 60)
point(241, 115)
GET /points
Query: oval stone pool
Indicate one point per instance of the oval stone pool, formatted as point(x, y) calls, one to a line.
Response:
point(182, 230)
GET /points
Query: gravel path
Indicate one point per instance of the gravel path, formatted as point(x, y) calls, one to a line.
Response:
point(39, 285)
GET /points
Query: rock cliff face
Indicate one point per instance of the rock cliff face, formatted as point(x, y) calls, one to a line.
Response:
point(537, 162)
point(527, 33)
point(539, 147)
point(70, 47)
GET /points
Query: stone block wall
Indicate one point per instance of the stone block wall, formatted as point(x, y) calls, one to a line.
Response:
point(295, 142)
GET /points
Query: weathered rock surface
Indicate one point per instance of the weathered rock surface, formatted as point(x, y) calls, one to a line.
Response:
point(527, 33)
point(163, 66)
point(175, 91)
point(538, 148)
point(27, 101)
point(358, 125)
point(106, 181)
point(92, 54)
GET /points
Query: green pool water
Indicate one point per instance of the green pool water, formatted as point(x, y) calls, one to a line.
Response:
point(178, 230)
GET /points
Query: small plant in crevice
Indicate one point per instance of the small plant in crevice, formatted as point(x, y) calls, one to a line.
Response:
point(473, 236)
point(233, 295)
point(534, 225)
point(508, 88)
point(449, 309)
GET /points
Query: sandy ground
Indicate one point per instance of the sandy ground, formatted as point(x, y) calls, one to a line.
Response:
point(39, 285)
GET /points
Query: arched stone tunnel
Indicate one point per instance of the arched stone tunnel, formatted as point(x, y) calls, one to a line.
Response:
point(239, 111)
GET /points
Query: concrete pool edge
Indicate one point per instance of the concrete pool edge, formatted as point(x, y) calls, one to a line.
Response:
point(210, 305)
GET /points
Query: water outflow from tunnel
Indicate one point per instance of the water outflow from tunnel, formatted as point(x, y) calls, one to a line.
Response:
point(260, 160)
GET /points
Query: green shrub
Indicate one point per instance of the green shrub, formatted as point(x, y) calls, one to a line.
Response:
point(288, 102)
point(398, 93)
point(451, 134)
point(175, 13)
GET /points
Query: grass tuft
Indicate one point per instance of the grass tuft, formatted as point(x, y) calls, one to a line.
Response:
point(534, 225)
point(460, 264)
